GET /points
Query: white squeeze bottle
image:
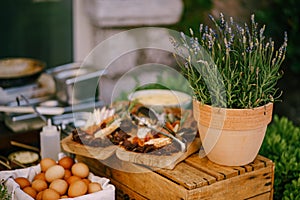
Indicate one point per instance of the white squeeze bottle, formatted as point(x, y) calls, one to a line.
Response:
point(50, 141)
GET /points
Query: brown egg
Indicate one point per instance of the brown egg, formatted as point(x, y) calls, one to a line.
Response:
point(66, 162)
point(46, 163)
point(50, 194)
point(30, 191)
point(39, 185)
point(59, 185)
point(72, 179)
point(94, 187)
point(22, 181)
point(80, 169)
point(40, 176)
point(77, 188)
point(87, 181)
point(39, 195)
point(68, 174)
point(64, 197)
point(54, 172)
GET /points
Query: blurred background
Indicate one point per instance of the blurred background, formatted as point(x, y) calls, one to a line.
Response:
point(65, 31)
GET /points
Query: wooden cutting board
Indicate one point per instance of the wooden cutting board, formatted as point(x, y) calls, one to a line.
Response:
point(150, 160)
point(158, 161)
point(99, 153)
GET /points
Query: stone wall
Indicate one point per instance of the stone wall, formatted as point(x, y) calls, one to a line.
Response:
point(109, 19)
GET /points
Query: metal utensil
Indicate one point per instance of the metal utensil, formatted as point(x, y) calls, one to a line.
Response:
point(7, 163)
point(4, 162)
point(33, 106)
point(29, 109)
point(25, 146)
point(86, 106)
point(148, 112)
point(150, 126)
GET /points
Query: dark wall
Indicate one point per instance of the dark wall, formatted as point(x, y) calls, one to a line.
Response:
point(40, 29)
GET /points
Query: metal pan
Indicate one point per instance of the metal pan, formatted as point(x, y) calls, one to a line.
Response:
point(19, 71)
point(68, 75)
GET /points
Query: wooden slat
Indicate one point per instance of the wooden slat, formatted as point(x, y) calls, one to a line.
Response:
point(240, 170)
point(265, 160)
point(150, 185)
point(272, 178)
point(249, 168)
point(264, 196)
point(187, 176)
point(123, 192)
point(239, 187)
point(205, 165)
point(258, 163)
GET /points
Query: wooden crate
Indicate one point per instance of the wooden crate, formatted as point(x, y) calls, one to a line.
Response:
point(193, 178)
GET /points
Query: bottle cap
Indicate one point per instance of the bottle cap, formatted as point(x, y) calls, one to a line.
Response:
point(50, 127)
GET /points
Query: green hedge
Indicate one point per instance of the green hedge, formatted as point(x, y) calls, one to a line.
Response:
point(282, 145)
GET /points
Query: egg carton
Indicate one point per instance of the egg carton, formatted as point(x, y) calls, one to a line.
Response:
point(7, 177)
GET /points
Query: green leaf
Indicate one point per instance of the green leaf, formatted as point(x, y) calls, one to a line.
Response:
point(282, 145)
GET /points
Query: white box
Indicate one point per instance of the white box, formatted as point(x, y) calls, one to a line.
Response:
point(108, 192)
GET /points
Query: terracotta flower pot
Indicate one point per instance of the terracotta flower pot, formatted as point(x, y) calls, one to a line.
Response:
point(232, 137)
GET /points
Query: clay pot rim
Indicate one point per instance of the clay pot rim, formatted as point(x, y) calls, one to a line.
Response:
point(232, 119)
point(232, 109)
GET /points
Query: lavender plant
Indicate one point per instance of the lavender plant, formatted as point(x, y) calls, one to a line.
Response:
point(240, 58)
